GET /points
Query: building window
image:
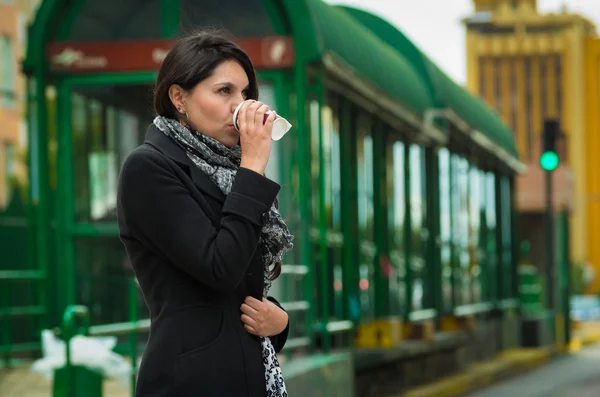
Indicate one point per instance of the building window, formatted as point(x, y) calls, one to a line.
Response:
point(7, 81)
point(514, 93)
point(528, 106)
point(482, 86)
point(544, 85)
point(498, 85)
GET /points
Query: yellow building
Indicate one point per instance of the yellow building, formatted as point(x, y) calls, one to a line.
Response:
point(530, 67)
point(14, 18)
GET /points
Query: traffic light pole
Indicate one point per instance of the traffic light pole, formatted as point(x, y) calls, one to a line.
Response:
point(550, 268)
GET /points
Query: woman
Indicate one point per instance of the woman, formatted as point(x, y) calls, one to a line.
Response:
point(197, 219)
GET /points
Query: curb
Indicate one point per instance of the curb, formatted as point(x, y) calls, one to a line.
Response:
point(478, 375)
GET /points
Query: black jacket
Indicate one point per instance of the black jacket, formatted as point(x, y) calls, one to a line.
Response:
point(194, 253)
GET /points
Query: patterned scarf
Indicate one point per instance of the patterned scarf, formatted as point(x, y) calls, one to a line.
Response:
point(221, 163)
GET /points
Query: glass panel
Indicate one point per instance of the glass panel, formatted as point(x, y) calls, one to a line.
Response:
point(396, 219)
point(333, 204)
point(445, 229)
point(364, 162)
point(314, 164)
point(460, 224)
point(106, 128)
point(419, 227)
point(109, 20)
point(273, 170)
point(491, 249)
point(506, 214)
point(474, 230)
point(7, 66)
point(246, 18)
point(9, 168)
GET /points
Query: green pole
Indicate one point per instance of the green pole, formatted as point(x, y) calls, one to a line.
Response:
point(408, 276)
point(433, 253)
point(382, 293)
point(304, 200)
point(349, 207)
point(325, 282)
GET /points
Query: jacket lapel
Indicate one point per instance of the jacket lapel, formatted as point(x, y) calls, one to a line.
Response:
point(167, 146)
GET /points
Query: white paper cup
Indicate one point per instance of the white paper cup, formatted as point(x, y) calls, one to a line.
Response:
point(280, 126)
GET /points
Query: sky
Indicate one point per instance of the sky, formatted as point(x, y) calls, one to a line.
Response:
point(435, 25)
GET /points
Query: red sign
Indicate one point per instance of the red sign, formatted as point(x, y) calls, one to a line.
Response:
point(272, 52)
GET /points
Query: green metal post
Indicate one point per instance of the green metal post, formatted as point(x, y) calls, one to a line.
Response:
point(325, 283)
point(67, 383)
point(565, 277)
point(349, 208)
point(382, 292)
point(407, 234)
point(433, 253)
point(133, 336)
point(39, 176)
point(65, 206)
point(303, 157)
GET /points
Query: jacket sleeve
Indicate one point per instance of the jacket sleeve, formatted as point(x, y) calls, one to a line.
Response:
point(160, 211)
point(279, 340)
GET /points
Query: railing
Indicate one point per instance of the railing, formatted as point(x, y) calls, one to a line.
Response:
point(8, 312)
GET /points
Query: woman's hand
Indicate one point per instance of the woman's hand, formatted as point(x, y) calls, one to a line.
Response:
point(263, 318)
point(255, 135)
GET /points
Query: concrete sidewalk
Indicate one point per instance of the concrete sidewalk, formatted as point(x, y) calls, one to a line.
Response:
point(505, 365)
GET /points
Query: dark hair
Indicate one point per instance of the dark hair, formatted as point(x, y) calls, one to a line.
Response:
point(194, 58)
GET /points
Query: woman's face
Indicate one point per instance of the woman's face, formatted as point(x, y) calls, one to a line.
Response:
point(211, 103)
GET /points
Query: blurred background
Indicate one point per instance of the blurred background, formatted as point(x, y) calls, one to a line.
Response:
point(441, 180)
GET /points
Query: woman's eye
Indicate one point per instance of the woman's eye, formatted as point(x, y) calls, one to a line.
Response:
point(225, 90)
point(245, 94)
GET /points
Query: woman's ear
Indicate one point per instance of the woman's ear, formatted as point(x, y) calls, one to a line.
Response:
point(176, 94)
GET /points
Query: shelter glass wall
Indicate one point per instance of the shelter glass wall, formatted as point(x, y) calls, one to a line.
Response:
point(366, 205)
point(446, 251)
point(419, 231)
point(396, 225)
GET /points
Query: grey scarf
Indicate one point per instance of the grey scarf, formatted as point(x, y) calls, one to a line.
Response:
point(221, 163)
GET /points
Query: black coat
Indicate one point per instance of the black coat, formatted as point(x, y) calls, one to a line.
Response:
point(194, 253)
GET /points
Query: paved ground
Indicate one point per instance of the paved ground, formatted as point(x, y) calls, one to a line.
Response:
point(575, 375)
point(20, 382)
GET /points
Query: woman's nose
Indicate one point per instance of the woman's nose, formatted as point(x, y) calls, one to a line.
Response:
point(234, 104)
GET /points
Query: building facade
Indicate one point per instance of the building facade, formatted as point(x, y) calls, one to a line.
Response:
point(14, 18)
point(533, 67)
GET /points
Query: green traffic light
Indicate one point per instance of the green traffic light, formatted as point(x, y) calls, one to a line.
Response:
point(549, 161)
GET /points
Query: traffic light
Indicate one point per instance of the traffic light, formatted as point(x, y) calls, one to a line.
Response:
point(549, 159)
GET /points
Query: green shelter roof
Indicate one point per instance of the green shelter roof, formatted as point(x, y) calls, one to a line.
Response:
point(444, 91)
point(338, 33)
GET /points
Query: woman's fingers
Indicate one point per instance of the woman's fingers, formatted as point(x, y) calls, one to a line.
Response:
point(246, 319)
point(251, 330)
point(248, 309)
point(259, 117)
